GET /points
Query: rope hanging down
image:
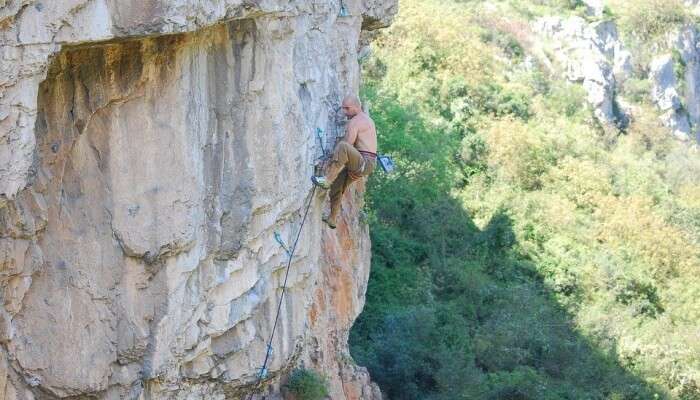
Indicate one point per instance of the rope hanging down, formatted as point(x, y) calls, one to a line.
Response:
point(290, 252)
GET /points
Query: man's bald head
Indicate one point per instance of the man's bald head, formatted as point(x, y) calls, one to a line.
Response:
point(351, 105)
point(352, 100)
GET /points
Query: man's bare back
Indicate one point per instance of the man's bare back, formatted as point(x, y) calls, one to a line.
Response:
point(361, 133)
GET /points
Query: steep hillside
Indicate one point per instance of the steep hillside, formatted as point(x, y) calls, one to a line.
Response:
point(541, 239)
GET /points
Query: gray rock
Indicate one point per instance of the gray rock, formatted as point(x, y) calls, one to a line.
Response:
point(678, 100)
point(149, 150)
point(594, 8)
point(664, 93)
point(687, 44)
point(591, 54)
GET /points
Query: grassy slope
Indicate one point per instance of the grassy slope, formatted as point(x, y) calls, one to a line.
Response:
point(517, 253)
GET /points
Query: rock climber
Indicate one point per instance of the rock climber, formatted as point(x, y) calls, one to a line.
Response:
point(354, 157)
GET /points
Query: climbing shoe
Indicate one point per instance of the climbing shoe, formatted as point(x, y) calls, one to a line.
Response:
point(320, 181)
point(328, 222)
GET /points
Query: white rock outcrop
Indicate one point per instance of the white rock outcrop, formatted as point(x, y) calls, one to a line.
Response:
point(687, 45)
point(666, 97)
point(675, 78)
point(149, 151)
point(591, 54)
point(594, 8)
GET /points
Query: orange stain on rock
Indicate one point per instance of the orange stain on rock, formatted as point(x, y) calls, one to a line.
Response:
point(318, 307)
point(341, 287)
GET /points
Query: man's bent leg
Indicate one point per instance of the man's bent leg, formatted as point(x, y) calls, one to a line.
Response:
point(336, 194)
point(344, 155)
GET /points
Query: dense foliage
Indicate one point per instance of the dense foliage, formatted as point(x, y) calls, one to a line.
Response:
point(519, 252)
point(307, 384)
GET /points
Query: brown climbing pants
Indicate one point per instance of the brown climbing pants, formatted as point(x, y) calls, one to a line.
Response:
point(347, 164)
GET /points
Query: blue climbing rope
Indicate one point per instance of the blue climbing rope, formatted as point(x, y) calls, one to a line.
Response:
point(262, 371)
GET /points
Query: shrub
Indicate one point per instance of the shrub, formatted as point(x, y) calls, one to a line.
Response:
point(648, 134)
point(512, 36)
point(643, 297)
point(580, 181)
point(307, 384)
point(637, 90)
point(567, 99)
point(518, 153)
point(644, 25)
point(632, 226)
point(649, 19)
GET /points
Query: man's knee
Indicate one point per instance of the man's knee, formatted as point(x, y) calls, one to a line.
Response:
point(343, 147)
point(342, 152)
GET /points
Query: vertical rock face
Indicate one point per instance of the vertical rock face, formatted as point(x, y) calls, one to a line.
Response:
point(676, 84)
point(666, 96)
point(675, 78)
point(149, 151)
point(688, 45)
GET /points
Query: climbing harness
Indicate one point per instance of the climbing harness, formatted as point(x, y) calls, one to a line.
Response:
point(262, 371)
point(356, 175)
point(384, 160)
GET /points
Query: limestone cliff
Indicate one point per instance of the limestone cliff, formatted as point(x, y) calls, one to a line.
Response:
point(149, 150)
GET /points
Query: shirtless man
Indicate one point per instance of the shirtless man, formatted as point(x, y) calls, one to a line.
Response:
point(354, 157)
